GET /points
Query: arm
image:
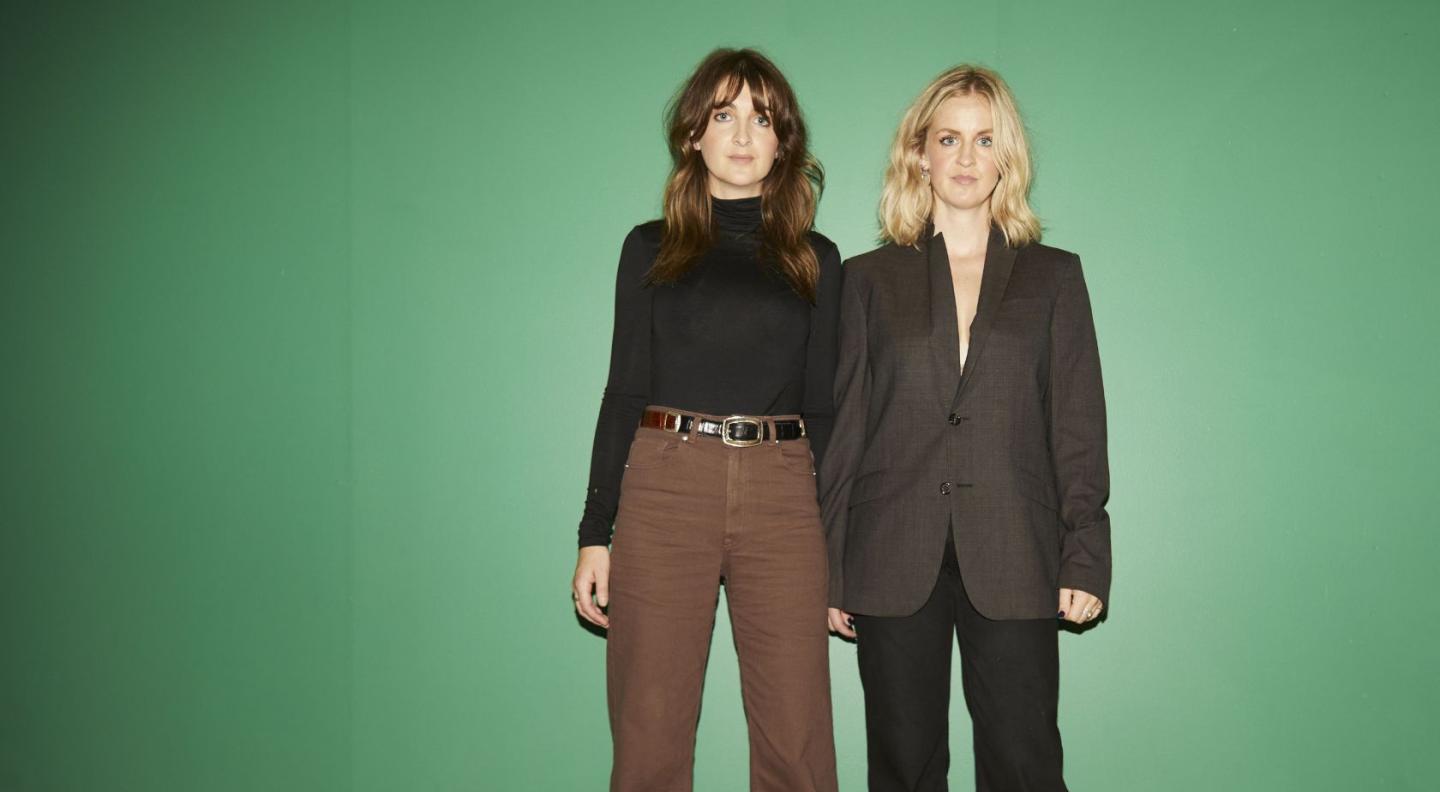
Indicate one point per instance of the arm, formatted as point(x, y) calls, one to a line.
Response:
point(626, 391)
point(820, 354)
point(1077, 440)
point(847, 443)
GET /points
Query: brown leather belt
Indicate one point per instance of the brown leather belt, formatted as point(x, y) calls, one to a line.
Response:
point(741, 431)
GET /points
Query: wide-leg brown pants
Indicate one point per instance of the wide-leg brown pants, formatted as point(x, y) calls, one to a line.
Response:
point(693, 511)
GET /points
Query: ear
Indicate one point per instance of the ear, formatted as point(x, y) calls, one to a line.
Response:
point(695, 145)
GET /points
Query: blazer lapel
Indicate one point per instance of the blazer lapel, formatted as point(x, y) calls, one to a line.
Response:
point(999, 261)
point(944, 332)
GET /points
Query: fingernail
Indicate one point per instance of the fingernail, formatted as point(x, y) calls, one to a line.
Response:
point(1060, 615)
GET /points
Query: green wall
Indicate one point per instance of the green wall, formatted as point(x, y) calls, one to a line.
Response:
point(304, 318)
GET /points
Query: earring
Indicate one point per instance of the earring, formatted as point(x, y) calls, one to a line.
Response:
point(924, 175)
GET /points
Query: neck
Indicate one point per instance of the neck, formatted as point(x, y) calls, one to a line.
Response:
point(965, 230)
point(730, 192)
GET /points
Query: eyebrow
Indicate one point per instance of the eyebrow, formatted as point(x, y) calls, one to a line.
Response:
point(961, 134)
point(757, 107)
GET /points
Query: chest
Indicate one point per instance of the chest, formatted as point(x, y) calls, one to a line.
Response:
point(729, 298)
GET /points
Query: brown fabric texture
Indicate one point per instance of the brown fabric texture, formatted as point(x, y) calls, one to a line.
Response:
point(693, 511)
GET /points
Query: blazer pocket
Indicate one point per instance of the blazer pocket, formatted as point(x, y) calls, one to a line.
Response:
point(1035, 488)
point(868, 487)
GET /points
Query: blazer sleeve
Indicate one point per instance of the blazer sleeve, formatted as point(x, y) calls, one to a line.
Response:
point(1077, 439)
point(847, 440)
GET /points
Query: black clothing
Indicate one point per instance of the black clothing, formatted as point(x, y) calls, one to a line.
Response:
point(730, 338)
point(1013, 451)
point(1010, 671)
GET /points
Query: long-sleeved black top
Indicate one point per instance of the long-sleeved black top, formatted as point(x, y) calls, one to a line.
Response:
point(730, 338)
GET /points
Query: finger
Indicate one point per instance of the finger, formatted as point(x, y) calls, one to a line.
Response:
point(602, 589)
point(583, 602)
point(1084, 605)
point(591, 613)
point(602, 598)
point(842, 623)
point(577, 593)
point(1062, 611)
point(1075, 608)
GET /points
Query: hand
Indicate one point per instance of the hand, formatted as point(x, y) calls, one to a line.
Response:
point(842, 623)
point(1078, 607)
point(592, 571)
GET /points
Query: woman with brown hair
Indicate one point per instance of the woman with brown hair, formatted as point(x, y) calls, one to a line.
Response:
point(964, 494)
point(721, 370)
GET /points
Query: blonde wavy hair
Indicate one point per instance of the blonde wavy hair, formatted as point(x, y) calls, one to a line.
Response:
point(906, 202)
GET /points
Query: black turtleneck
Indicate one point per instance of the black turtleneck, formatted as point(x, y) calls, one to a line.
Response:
point(730, 338)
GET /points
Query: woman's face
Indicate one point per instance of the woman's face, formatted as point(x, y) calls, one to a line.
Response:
point(738, 147)
point(959, 152)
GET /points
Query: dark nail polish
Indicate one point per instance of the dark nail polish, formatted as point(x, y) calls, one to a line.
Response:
point(1060, 615)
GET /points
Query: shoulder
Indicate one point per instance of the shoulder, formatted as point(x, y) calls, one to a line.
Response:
point(827, 255)
point(879, 262)
point(637, 254)
point(1050, 268)
point(643, 241)
point(647, 234)
point(823, 247)
point(1053, 260)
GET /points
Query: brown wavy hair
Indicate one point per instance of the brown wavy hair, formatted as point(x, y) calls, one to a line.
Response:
point(788, 194)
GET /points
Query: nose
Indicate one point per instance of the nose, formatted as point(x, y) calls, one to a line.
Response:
point(967, 154)
point(742, 135)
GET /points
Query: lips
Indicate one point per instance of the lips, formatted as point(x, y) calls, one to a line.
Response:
point(963, 179)
point(742, 159)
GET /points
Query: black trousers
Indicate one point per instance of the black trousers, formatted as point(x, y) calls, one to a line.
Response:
point(1011, 676)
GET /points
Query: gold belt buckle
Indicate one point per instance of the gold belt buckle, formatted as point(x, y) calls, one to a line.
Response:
point(737, 420)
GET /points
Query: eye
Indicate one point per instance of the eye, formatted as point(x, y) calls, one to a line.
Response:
point(722, 116)
point(986, 141)
point(947, 140)
point(763, 121)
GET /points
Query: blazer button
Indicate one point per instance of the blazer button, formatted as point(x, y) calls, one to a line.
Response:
point(945, 488)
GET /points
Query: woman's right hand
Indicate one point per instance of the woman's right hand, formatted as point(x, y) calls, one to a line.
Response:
point(591, 586)
point(842, 623)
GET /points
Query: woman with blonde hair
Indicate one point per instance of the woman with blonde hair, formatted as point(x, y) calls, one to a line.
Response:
point(721, 374)
point(964, 491)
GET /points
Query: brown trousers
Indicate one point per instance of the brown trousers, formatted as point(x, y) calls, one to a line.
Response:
point(693, 511)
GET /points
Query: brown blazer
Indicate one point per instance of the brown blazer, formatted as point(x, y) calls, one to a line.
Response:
point(1012, 454)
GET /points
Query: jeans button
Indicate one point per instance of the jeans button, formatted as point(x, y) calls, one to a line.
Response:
point(945, 488)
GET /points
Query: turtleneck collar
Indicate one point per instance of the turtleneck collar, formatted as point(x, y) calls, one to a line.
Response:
point(736, 215)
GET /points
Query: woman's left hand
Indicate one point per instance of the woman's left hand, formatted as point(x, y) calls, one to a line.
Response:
point(1078, 607)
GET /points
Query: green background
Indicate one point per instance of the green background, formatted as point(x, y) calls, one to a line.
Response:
point(304, 319)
